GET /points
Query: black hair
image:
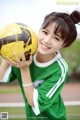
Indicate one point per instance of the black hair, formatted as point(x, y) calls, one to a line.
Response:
point(65, 25)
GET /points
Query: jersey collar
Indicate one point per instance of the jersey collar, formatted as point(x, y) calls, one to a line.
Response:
point(46, 63)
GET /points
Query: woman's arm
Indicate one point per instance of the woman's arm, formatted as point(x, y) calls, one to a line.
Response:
point(3, 68)
point(25, 74)
point(27, 84)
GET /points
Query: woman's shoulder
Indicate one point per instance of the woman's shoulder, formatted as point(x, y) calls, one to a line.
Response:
point(60, 64)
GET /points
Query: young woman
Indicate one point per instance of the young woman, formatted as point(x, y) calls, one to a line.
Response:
point(42, 77)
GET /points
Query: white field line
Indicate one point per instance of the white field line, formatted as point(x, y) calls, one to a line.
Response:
point(67, 103)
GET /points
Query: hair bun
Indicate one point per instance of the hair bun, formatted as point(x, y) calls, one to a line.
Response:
point(75, 16)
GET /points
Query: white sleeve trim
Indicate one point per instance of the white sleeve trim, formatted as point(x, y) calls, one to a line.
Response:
point(36, 107)
point(5, 78)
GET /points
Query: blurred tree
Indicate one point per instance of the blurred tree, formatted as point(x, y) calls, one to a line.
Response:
point(72, 57)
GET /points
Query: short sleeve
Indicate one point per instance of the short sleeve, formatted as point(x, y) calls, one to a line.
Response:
point(46, 95)
point(9, 75)
point(12, 76)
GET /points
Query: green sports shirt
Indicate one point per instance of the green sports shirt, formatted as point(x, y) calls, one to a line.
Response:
point(49, 79)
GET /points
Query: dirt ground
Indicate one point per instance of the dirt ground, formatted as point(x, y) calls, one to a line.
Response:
point(70, 92)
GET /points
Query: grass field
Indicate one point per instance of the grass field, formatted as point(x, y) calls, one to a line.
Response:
point(18, 113)
point(9, 89)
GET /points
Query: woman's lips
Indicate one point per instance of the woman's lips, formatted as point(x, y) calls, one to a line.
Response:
point(45, 47)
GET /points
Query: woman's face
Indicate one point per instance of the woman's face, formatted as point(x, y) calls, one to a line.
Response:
point(48, 42)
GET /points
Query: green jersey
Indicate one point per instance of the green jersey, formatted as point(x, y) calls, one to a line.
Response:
point(49, 79)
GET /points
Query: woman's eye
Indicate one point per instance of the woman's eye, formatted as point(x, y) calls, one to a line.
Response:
point(56, 38)
point(45, 32)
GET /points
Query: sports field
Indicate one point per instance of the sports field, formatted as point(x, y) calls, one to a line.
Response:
point(10, 94)
point(73, 113)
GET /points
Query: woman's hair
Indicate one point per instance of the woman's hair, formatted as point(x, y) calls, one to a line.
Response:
point(65, 25)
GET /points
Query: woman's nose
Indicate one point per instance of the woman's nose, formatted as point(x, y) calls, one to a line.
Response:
point(47, 39)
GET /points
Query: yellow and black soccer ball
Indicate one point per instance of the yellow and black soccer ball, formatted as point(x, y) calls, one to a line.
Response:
point(17, 38)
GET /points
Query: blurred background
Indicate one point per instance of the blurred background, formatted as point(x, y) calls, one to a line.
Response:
point(32, 12)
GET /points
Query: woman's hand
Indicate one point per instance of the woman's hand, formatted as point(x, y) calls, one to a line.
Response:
point(23, 64)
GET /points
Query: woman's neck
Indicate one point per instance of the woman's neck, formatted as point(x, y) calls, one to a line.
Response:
point(44, 58)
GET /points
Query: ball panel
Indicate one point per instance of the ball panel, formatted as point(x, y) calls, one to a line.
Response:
point(10, 30)
point(10, 49)
point(34, 41)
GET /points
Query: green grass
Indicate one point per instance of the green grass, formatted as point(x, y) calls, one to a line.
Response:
point(15, 113)
point(18, 113)
point(73, 112)
point(9, 89)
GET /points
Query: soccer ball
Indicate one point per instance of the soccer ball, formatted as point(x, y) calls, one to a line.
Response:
point(17, 38)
